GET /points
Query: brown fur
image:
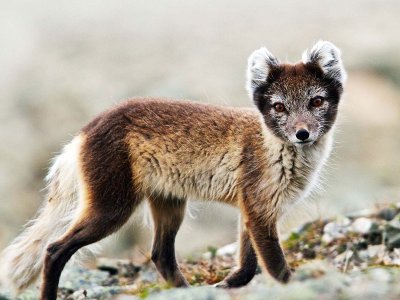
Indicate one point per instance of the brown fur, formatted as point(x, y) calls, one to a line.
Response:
point(169, 151)
point(247, 262)
point(168, 216)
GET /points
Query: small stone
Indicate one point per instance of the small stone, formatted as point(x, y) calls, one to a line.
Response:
point(327, 238)
point(128, 269)
point(336, 229)
point(376, 251)
point(123, 267)
point(309, 253)
point(96, 292)
point(108, 265)
point(396, 257)
point(392, 231)
point(361, 225)
point(362, 213)
point(394, 241)
point(387, 213)
point(75, 277)
point(229, 250)
point(363, 254)
point(375, 235)
point(396, 221)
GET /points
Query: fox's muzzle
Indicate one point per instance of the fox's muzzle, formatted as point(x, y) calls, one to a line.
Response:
point(302, 132)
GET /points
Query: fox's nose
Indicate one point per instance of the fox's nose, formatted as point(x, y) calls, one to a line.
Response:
point(302, 134)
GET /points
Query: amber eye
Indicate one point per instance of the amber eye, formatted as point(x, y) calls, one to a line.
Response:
point(279, 107)
point(316, 102)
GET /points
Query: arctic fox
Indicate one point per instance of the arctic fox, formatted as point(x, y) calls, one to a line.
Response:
point(261, 160)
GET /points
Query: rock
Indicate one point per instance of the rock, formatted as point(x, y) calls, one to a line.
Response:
point(29, 294)
point(361, 225)
point(392, 231)
point(194, 293)
point(396, 257)
point(309, 253)
point(362, 213)
point(227, 250)
point(394, 241)
point(108, 265)
point(375, 235)
point(314, 269)
point(376, 251)
point(129, 269)
point(76, 278)
point(336, 229)
point(387, 213)
point(396, 221)
point(123, 267)
point(96, 293)
point(366, 250)
point(327, 238)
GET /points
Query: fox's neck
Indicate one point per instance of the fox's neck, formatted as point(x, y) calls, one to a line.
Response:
point(292, 171)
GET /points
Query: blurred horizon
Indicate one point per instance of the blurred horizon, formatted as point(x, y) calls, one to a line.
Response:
point(63, 62)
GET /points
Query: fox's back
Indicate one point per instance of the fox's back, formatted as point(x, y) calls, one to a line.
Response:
point(180, 148)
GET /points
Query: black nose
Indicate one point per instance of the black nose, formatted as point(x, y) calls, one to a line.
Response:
point(302, 134)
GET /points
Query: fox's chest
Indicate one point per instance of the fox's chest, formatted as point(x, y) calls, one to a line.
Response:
point(293, 175)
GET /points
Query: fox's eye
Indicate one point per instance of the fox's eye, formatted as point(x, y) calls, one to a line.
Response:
point(316, 102)
point(279, 107)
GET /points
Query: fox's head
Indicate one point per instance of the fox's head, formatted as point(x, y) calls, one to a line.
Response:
point(299, 102)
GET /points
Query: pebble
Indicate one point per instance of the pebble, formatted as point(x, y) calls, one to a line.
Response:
point(336, 229)
point(387, 213)
point(392, 230)
point(361, 225)
point(376, 251)
point(227, 250)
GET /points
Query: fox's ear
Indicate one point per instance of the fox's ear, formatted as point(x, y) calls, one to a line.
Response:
point(327, 57)
point(259, 66)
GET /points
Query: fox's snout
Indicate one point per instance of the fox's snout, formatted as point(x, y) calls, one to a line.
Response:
point(302, 131)
point(302, 134)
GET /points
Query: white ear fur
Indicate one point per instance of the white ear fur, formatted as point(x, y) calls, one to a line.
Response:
point(328, 57)
point(259, 66)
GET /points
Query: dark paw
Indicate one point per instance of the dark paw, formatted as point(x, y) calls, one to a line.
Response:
point(180, 281)
point(236, 280)
point(284, 277)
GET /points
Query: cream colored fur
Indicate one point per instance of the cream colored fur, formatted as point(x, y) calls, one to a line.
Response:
point(22, 260)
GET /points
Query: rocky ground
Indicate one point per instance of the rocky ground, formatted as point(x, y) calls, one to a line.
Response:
point(352, 257)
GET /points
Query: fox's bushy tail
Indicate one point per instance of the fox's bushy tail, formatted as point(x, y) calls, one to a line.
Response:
point(21, 262)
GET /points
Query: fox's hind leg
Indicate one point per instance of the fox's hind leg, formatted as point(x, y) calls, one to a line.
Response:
point(90, 228)
point(108, 196)
point(167, 216)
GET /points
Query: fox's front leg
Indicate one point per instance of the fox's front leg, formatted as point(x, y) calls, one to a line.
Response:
point(264, 237)
point(247, 262)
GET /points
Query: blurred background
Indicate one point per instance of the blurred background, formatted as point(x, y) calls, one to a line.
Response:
point(62, 62)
